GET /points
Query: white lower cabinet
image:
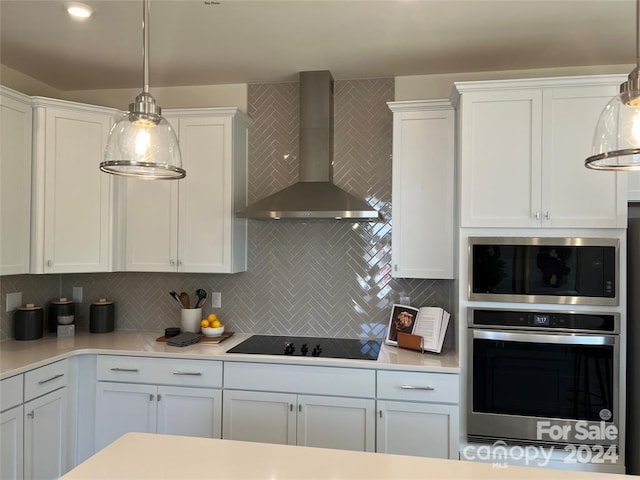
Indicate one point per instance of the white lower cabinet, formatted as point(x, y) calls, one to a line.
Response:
point(45, 436)
point(135, 395)
point(300, 405)
point(122, 408)
point(420, 429)
point(11, 440)
point(307, 420)
point(34, 423)
point(418, 414)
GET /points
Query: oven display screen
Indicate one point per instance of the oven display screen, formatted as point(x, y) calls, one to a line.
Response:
point(541, 320)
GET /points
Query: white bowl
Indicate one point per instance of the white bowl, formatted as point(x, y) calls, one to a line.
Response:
point(212, 332)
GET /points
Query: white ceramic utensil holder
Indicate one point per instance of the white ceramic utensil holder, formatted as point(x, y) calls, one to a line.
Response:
point(190, 319)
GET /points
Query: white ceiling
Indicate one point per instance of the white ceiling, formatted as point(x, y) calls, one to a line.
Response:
point(197, 42)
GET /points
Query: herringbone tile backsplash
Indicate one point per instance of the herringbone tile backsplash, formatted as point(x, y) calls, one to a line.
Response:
point(323, 278)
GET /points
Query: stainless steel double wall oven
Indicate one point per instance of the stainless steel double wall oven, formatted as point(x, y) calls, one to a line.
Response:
point(544, 375)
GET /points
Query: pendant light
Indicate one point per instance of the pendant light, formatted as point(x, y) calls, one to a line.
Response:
point(616, 143)
point(141, 143)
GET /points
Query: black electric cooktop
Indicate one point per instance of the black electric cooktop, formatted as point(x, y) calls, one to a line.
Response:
point(309, 347)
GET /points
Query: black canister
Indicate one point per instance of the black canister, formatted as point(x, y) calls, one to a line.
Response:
point(61, 312)
point(28, 322)
point(102, 316)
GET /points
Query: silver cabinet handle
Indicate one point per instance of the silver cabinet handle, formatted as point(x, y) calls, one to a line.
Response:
point(49, 263)
point(118, 369)
point(30, 414)
point(195, 374)
point(380, 413)
point(151, 397)
point(411, 387)
point(42, 382)
point(299, 408)
point(537, 215)
point(291, 407)
point(547, 215)
point(159, 397)
point(172, 262)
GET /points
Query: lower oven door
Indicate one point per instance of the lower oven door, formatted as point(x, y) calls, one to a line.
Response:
point(543, 387)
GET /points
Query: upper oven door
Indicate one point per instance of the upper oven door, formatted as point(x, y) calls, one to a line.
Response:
point(563, 376)
point(544, 270)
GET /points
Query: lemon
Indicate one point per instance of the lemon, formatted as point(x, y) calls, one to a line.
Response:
point(212, 317)
point(216, 324)
point(204, 323)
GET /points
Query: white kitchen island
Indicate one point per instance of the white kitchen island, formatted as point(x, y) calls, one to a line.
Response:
point(153, 456)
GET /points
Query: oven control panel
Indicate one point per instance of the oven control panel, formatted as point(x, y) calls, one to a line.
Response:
point(524, 319)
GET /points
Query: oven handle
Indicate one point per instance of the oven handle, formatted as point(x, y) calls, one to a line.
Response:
point(568, 338)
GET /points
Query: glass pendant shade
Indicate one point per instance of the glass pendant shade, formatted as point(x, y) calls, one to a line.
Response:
point(143, 146)
point(616, 143)
point(141, 143)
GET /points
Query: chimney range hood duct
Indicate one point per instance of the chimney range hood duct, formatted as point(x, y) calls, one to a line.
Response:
point(314, 196)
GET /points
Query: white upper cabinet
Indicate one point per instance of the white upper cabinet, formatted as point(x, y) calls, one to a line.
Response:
point(72, 199)
point(15, 182)
point(190, 225)
point(634, 186)
point(423, 189)
point(522, 146)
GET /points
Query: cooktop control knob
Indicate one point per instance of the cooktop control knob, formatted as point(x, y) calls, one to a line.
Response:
point(304, 349)
point(289, 348)
point(317, 350)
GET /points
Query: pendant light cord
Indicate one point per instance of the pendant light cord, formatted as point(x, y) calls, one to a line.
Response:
point(145, 44)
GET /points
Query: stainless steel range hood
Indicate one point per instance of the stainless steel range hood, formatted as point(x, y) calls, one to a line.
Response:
point(314, 196)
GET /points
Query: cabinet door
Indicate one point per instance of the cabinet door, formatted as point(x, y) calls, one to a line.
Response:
point(151, 226)
point(574, 196)
point(77, 196)
point(45, 436)
point(633, 186)
point(259, 417)
point(15, 183)
point(123, 408)
point(11, 440)
point(205, 209)
point(419, 429)
point(335, 422)
point(194, 412)
point(423, 192)
point(500, 151)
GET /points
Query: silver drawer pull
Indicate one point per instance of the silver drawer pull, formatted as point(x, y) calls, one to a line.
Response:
point(411, 387)
point(117, 369)
point(195, 374)
point(42, 382)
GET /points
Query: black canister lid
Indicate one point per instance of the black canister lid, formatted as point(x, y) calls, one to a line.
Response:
point(102, 301)
point(62, 301)
point(29, 306)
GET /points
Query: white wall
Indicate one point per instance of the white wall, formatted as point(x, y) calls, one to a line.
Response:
point(428, 87)
point(28, 85)
point(233, 95)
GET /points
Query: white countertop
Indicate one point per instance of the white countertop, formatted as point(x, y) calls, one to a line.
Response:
point(19, 356)
point(153, 456)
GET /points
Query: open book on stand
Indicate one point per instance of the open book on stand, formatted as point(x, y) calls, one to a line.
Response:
point(418, 328)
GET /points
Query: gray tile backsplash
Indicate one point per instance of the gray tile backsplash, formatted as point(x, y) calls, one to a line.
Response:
point(322, 278)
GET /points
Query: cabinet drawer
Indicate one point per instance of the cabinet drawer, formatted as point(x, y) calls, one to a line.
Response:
point(11, 392)
point(165, 371)
point(45, 379)
point(419, 387)
point(347, 382)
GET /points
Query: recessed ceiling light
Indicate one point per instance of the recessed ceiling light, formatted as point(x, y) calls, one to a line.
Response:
point(79, 11)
